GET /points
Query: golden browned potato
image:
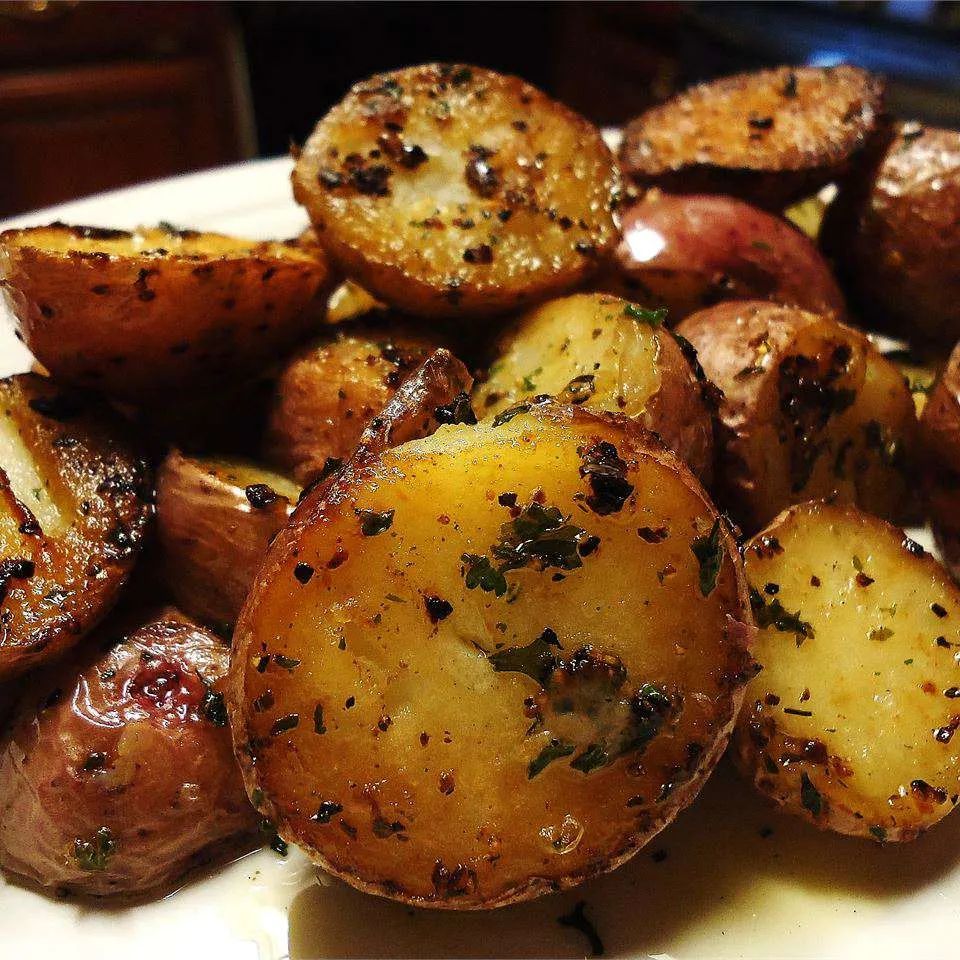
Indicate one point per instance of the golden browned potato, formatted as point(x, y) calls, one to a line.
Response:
point(769, 137)
point(605, 353)
point(491, 663)
point(894, 232)
point(448, 190)
point(75, 500)
point(116, 772)
point(215, 519)
point(328, 392)
point(134, 314)
point(690, 252)
point(851, 722)
point(350, 301)
point(810, 409)
point(940, 447)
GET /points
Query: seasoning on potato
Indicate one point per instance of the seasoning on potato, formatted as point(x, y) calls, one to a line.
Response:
point(769, 137)
point(215, 520)
point(604, 353)
point(75, 501)
point(134, 314)
point(491, 663)
point(851, 722)
point(449, 190)
point(116, 774)
point(690, 252)
point(894, 233)
point(810, 409)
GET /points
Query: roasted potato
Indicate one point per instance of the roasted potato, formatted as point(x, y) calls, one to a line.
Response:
point(850, 723)
point(894, 233)
point(769, 137)
point(491, 663)
point(690, 252)
point(116, 773)
point(75, 501)
point(134, 314)
point(810, 409)
point(448, 190)
point(215, 519)
point(328, 392)
point(605, 353)
point(940, 450)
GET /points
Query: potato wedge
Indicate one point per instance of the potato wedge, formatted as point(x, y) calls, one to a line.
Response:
point(811, 409)
point(474, 725)
point(75, 501)
point(449, 190)
point(215, 520)
point(328, 392)
point(117, 775)
point(850, 723)
point(133, 314)
point(604, 353)
point(690, 252)
point(769, 137)
point(940, 446)
point(894, 233)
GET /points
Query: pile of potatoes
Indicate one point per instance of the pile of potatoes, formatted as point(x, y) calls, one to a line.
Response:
point(455, 540)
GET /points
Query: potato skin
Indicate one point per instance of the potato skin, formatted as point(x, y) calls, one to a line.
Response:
point(940, 450)
point(416, 773)
point(850, 723)
point(131, 740)
point(619, 352)
point(75, 503)
point(135, 314)
point(451, 191)
point(769, 137)
point(810, 409)
point(691, 252)
point(328, 392)
point(884, 225)
point(215, 520)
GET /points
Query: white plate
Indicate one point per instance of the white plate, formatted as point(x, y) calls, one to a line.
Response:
point(725, 888)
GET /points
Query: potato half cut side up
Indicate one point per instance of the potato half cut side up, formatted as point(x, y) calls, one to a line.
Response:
point(851, 722)
point(215, 520)
point(116, 772)
point(604, 353)
point(769, 137)
point(491, 663)
point(810, 409)
point(135, 313)
point(449, 190)
point(75, 500)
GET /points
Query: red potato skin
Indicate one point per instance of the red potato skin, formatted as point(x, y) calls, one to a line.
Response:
point(690, 252)
point(123, 740)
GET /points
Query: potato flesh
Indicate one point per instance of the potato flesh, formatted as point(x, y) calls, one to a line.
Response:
point(419, 730)
point(876, 679)
point(26, 483)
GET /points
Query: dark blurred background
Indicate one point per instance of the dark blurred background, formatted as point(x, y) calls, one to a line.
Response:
point(98, 95)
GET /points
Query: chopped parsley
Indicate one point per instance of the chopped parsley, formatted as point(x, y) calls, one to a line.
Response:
point(536, 660)
point(94, 854)
point(709, 553)
point(651, 317)
point(774, 614)
point(372, 524)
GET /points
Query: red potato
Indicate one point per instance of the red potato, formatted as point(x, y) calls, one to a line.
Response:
point(689, 252)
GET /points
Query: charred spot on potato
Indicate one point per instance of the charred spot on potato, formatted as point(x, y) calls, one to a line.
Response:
point(303, 572)
point(459, 410)
point(373, 523)
point(214, 708)
point(437, 608)
point(606, 475)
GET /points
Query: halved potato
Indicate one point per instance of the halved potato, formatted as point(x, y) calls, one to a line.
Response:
point(690, 252)
point(449, 190)
point(810, 409)
point(851, 722)
point(75, 500)
point(134, 313)
point(940, 442)
point(329, 391)
point(769, 137)
point(604, 353)
point(116, 775)
point(894, 232)
point(215, 520)
point(491, 663)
